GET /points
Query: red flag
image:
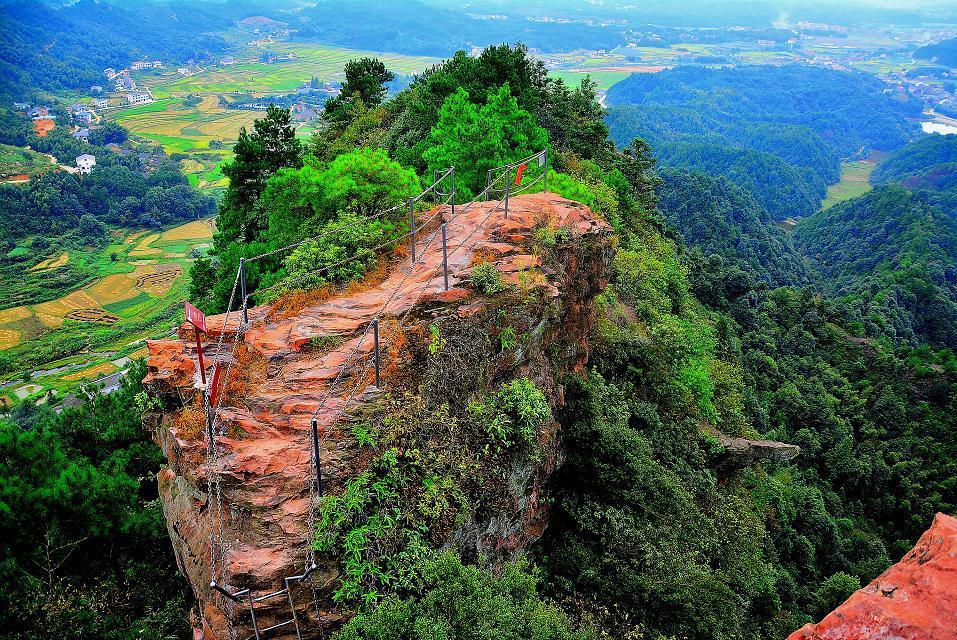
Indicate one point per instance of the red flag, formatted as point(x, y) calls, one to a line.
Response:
point(195, 317)
point(214, 386)
point(518, 174)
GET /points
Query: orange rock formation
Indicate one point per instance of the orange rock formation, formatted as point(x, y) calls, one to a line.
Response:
point(916, 599)
point(280, 382)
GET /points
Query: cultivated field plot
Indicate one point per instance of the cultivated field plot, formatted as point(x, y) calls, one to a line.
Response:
point(52, 263)
point(136, 288)
point(854, 182)
point(258, 78)
point(185, 130)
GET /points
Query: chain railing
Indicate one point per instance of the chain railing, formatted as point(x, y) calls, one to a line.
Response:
point(498, 179)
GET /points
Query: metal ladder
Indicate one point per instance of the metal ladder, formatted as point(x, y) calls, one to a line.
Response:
point(246, 596)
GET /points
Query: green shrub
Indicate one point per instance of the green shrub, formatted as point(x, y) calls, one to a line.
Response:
point(459, 601)
point(514, 414)
point(487, 279)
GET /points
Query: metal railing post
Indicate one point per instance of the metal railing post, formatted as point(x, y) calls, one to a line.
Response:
point(412, 225)
point(508, 184)
point(453, 193)
point(315, 455)
point(375, 336)
point(445, 257)
point(545, 175)
point(242, 288)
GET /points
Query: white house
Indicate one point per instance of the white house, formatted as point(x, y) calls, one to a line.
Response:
point(140, 97)
point(99, 103)
point(85, 163)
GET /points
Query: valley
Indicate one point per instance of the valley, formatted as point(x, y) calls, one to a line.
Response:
point(139, 282)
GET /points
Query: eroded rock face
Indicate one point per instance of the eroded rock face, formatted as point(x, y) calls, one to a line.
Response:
point(916, 599)
point(288, 369)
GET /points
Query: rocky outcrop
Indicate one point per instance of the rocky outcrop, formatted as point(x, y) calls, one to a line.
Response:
point(286, 369)
point(745, 452)
point(916, 599)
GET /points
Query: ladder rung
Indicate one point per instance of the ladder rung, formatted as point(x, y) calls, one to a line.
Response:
point(271, 595)
point(276, 626)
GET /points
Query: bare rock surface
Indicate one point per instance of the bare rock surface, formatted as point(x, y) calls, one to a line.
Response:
point(915, 599)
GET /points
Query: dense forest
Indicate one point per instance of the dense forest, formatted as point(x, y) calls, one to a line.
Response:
point(892, 255)
point(943, 52)
point(722, 221)
point(85, 549)
point(47, 49)
point(712, 324)
point(779, 132)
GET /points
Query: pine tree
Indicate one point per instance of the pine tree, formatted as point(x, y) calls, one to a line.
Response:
point(271, 146)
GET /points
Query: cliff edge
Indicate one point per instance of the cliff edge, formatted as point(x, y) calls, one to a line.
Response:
point(915, 599)
point(289, 364)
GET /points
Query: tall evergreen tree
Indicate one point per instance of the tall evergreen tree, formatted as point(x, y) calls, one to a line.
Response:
point(365, 80)
point(271, 146)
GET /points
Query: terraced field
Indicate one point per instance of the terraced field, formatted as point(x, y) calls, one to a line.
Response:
point(258, 78)
point(137, 296)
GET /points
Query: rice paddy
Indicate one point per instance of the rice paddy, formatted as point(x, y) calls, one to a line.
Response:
point(130, 300)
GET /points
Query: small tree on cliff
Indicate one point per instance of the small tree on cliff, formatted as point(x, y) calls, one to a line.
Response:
point(475, 139)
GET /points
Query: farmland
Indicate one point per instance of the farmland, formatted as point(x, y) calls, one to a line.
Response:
point(853, 183)
point(190, 130)
point(258, 78)
point(92, 331)
point(18, 164)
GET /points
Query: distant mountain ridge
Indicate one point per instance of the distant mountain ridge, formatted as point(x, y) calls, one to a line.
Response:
point(807, 117)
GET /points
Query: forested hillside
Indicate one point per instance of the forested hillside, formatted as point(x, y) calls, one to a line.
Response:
point(929, 162)
point(943, 52)
point(891, 256)
point(727, 226)
point(779, 132)
point(47, 49)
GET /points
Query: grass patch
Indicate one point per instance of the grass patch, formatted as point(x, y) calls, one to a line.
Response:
point(854, 182)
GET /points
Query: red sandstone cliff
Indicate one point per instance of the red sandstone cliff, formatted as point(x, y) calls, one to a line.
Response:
point(280, 381)
point(916, 599)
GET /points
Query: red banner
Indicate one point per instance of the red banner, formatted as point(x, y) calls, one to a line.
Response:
point(195, 317)
point(214, 386)
point(518, 174)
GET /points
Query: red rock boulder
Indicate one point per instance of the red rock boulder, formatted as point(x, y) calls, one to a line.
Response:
point(916, 599)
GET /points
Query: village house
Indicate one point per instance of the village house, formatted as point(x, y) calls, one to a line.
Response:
point(84, 116)
point(125, 83)
point(302, 112)
point(139, 97)
point(139, 64)
point(99, 103)
point(110, 73)
point(82, 134)
point(21, 106)
point(85, 163)
point(228, 60)
point(39, 112)
point(96, 88)
point(182, 71)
